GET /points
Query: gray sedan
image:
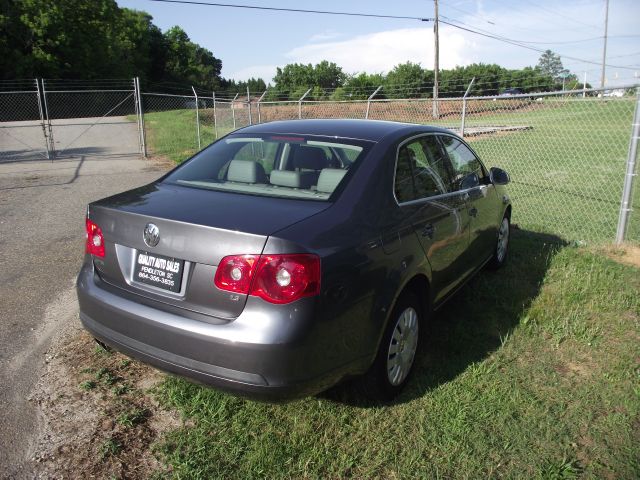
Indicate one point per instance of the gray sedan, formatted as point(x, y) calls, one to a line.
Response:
point(287, 256)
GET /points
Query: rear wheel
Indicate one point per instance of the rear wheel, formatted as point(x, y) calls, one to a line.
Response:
point(502, 244)
point(395, 359)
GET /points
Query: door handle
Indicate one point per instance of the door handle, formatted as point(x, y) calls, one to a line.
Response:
point(473, 212)
point(428, 230)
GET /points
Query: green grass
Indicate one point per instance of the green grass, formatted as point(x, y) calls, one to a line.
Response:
point(87, 385)
point(173, 134)
point(532, 372)
point(132, 417)
point(567, 171)
point(110, 447)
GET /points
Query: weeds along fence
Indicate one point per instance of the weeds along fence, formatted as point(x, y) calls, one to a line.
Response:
point(571, 155)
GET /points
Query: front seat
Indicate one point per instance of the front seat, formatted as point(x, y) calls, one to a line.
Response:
point(309, 161)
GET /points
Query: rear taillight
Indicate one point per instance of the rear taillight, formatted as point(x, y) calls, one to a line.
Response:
point(234, 273)
point(274, 278)
point(95, 240)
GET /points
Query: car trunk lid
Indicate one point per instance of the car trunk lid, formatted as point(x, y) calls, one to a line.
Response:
point(196, 228)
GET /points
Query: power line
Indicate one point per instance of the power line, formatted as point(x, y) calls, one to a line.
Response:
point(555, 12)
point(474, 30)
point(529, 47)
point(295, 10)
point(469, 13)
point(590, 39)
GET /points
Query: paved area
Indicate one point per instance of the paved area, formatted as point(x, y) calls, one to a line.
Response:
point(42, 209)
point(93, 136)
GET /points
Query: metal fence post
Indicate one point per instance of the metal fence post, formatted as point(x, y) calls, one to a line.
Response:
point(366, 115)
point(249, 104)
point(44, 129)
point(197, 116)
point(464, 106)
point(258, 103)
point(137, 110)
point(233, 110)
point(215, 118)
point(625, 203)
point(300, 103)
point(51, 147)
point(143, 138)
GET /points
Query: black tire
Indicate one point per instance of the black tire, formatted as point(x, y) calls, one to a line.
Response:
point(501, 250)
point(382, 382)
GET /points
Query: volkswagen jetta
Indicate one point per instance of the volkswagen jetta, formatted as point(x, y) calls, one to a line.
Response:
point(287, 256)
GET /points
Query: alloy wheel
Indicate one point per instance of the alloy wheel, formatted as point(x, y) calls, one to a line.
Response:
point(402, 346)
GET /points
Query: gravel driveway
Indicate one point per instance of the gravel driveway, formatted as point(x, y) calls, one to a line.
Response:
point(42, 208)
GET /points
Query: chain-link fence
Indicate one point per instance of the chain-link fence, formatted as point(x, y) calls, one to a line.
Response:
point(566, 155)
point(566, 152)
point(23, 134)
point(85, 120)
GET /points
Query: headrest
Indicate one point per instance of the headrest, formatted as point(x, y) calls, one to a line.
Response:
point(246, 171)
point(312, 158)
point(329, 179)
point(285, 178)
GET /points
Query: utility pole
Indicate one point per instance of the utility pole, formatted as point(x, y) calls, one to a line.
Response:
point(436, 59)
point(604, 50)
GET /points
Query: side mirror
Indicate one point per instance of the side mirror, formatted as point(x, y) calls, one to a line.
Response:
point(498, 176)
point(469, 181)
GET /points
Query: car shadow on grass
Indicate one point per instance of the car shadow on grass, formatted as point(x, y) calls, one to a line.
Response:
point(475, 322)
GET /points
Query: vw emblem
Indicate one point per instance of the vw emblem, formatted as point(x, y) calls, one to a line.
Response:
point(151, 234)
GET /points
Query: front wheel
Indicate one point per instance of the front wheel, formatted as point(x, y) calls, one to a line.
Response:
point(502, 244)
point(396, 355)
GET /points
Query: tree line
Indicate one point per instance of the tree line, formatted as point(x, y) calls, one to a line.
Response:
point(76, 39)
point(410, 80)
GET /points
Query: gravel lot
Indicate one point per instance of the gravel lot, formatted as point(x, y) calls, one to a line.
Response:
point(42, 207)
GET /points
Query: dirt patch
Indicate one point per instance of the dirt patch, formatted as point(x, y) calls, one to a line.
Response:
point(573, 369)
point(99, 418)
point(626, 253)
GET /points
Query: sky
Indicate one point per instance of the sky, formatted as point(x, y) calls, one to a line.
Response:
point(253, 43)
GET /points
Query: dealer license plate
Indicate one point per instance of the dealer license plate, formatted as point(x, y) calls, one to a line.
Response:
point(159, 271)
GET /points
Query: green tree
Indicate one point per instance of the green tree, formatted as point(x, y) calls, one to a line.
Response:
point(408, 80)
point(328, 75)
point(60, 39)
point(294, 77)
point(255, 85)
point(97, 39)
point(361, 85)
point(551, 64)
point(188, 62)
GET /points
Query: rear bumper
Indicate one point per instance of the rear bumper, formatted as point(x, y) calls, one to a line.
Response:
point(269, 352)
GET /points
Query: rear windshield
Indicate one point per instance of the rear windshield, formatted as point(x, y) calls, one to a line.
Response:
point(273, 165)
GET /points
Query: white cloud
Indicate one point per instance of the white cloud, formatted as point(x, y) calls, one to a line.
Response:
point(381, 51)
point(540, 25)
point(325, 36)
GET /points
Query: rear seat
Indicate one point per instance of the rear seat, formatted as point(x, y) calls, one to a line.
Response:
point(246, 171)
point(287, 178)
point(329, 179)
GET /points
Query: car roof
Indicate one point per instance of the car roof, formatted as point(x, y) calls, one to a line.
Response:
point(371, 130)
